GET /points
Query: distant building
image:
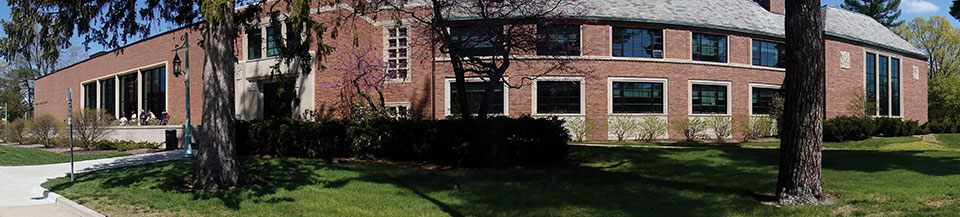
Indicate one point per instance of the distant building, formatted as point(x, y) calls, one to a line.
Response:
point(667, 59)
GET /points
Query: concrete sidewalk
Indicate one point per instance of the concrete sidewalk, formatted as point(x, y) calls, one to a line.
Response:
point(20, 185)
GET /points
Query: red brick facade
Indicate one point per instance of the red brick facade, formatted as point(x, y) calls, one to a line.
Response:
point(425, 89)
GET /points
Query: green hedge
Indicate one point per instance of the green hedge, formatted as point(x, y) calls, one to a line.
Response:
point(941, 126)
point(845, 128)
point(496, 142)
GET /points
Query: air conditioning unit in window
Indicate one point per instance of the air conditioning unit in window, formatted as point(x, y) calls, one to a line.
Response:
point(658, 53)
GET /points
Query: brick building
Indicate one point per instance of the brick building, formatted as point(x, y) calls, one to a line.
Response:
point(666, 59)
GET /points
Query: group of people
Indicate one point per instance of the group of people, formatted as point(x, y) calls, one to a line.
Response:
point(143, 118)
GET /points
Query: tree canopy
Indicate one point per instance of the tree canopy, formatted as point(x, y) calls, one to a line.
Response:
point(938, 39)
point(884, 11)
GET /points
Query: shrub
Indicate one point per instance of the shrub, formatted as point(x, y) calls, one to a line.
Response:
point(89, 125)
point(844, 128)
point(941, 126)
point(691, 128)
point(757, 127)
point(13, 131)
point(622, 126)
point(650, 127)
point(45, 129)
point(580, 127)
point(495, 142)
point(721, 126)
point(123, 145)
point(890, 127)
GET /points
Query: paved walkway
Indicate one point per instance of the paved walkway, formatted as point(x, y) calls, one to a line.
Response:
point(20, 185)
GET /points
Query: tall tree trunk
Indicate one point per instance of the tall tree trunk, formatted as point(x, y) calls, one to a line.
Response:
point(799, 180)
point(217, 165)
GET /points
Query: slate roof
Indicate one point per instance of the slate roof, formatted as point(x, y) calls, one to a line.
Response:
point(745, 16)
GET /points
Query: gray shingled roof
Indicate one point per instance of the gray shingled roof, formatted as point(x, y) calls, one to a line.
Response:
point(745, 16)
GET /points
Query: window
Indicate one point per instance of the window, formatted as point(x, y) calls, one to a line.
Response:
point(108, 95)
point(769, 54)
point(870, 81)
point(128, 95)
point(559, 40)
point(558, 97)
point(637, 97)
point(709, 99)
point(254, 44)
point(273, 41)
point(293, 36)
point(631, 42)
point(882, 85)
point(155, 90)
point(398, 52)
point(708, 47)
point(475, 91)
point(894, 87)
point(398, 110)
point(90, 95)
point(762, 99)
point(476, 40)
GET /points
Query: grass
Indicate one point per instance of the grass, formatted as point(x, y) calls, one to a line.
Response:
point(599, 182)
point(17, 156)
point(949, 140)
point(880, 143)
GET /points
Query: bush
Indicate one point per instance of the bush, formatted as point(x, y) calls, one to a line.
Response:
point(45, 129)
point(580, 127)
point(757, 127)
point(892, 127)
point(89, 125)
point(844, 128)
point(123, 145)
point(650, 128)
point(721, 126)
point(692, 129)
point(496, 142)
point(14, 131)
point(941, 126)
point(622, 126)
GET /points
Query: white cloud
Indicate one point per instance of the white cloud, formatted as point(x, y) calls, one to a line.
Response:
point(918, 6)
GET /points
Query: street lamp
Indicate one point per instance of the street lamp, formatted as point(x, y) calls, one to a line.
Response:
point(188, 153)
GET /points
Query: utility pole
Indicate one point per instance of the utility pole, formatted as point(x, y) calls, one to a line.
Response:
point(70, 124)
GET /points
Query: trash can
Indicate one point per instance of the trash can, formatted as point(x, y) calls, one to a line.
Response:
point(171, 139)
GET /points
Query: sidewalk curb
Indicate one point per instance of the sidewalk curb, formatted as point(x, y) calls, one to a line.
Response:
point(77, 208)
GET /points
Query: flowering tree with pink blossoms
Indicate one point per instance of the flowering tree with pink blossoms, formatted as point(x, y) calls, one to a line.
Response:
point(362, 72)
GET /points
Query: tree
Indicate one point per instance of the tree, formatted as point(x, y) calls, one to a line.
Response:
point(363, 73)
point(485, 44)
point(955, 9)
point(97, 21)
point(799, 180)
point(884, 11)
point(945, 98)
point(938, 39)
point(89, 126)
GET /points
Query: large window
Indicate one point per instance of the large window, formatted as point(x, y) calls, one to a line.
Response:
point(476, 40)
point(273, 41)
point(128, 95)
point(398, 53)
point(254, 43)
point(637, 97)
point(558, 40)
point(708, 47)
point(293, 36)
point(769, 54)
point(90, 95)
point(155, 90)
point(882, 85)
point(474, 92)
point(558, 97)
point(108, 95)
point(762, 99)
point(709, 99)
point(632, 42)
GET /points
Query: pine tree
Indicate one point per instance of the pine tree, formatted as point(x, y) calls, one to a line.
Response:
point(884, 11)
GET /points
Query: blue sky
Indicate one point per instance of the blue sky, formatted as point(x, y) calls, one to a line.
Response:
point(911, 9)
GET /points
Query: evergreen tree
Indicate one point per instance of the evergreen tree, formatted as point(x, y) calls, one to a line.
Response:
point(884, 11)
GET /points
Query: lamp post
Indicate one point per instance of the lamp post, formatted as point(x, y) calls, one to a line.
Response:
point(188, 153)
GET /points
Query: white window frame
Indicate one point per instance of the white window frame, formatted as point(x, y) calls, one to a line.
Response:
point(391, 105)
point(729, 99)
point(533, 96)
point(750, 95)
point(666, 96)
point(117, 83)
point(446, 94)
point(706, 33)
point(386, 53)
point(876, 82)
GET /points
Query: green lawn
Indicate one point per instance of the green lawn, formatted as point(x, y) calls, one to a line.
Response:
point(883, 143)
point(17, 156)
point(599, 182)
point(949, 140)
